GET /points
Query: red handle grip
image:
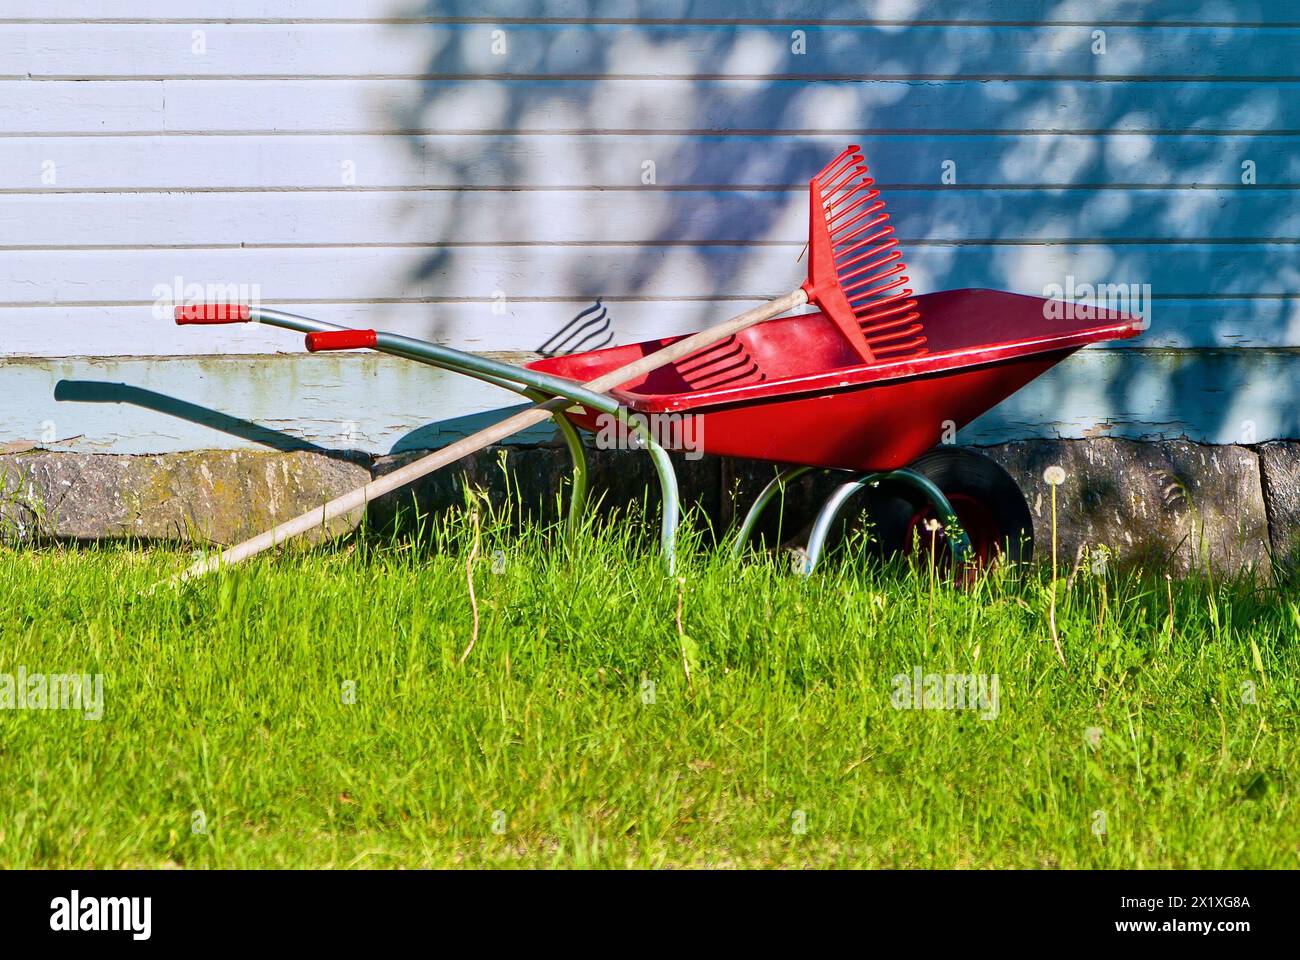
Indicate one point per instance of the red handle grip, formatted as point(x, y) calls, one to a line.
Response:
point(213, 313)
point(340, 340)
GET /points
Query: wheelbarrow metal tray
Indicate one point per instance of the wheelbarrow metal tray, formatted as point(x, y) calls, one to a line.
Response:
point(793, 391)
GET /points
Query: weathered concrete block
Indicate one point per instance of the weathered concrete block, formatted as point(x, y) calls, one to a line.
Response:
point(538, 478)
point(210, 496)
point(1169, 502)
point(788, 519)
point(1174, 502)
point(1280, 468)
point(530, 475)
point(620, 477)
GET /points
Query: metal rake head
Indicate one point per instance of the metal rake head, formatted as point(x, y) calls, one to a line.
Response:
point(855, 269)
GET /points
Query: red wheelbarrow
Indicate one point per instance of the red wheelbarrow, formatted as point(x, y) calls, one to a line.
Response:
point(792, 391)
point(869, 386)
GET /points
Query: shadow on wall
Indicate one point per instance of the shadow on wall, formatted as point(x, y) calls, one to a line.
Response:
point(1133, 179)
point(100, 391)
point(1058, 175)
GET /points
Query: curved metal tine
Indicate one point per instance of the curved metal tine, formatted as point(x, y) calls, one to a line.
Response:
point(774, 486)
point(585, 343)
point(458, 361)
point(603, 328)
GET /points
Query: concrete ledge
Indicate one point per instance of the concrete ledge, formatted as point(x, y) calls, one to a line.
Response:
point(1168, 503)
point(1171, 503)
point(538, 474)
point(205, 496)
point(1280, 472)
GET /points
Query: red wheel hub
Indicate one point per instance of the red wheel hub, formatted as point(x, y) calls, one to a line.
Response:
point(976, 519)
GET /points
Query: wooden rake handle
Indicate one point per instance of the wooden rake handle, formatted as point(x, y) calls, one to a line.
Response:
point(346, 503)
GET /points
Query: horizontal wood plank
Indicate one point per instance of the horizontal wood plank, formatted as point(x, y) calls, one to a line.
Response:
point(147, 406)
point(602, 50)
point(637, 215)
point(303, 274)
point(604, 160)
point(94, 331)
point(640, 105)
point(793, 11)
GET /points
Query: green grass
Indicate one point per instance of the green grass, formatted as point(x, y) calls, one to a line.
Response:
point(572, 728)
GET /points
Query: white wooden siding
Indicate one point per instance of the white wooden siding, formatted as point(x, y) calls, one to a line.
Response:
point(375, 162)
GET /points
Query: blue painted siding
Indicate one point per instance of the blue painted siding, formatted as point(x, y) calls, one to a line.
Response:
point(478, 173)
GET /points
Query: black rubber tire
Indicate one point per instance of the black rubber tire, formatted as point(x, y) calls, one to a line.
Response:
point(986, 498)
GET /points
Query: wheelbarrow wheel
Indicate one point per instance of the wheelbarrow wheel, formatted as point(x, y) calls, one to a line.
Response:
point(988, 503)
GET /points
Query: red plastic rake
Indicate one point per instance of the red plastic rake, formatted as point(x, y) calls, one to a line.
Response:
point(855, 270)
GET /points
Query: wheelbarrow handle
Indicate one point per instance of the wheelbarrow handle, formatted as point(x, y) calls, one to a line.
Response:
point(326, 336)
point(355, 499)
point(341, 340)
point(213, 313)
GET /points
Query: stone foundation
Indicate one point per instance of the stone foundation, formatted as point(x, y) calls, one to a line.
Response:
point(1170, 502)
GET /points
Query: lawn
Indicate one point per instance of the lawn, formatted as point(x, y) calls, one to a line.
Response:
point(312, 710)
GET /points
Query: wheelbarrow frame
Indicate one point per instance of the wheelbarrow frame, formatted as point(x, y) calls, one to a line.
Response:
point(537, 385)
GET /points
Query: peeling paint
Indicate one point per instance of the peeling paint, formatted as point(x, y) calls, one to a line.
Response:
point(278, 402)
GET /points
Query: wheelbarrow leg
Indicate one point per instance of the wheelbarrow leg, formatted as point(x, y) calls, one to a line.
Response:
point(667, 488)
point(578, 456)
point(581, 474)
point(830, 511)
point(827, 515)
point(765, 497)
